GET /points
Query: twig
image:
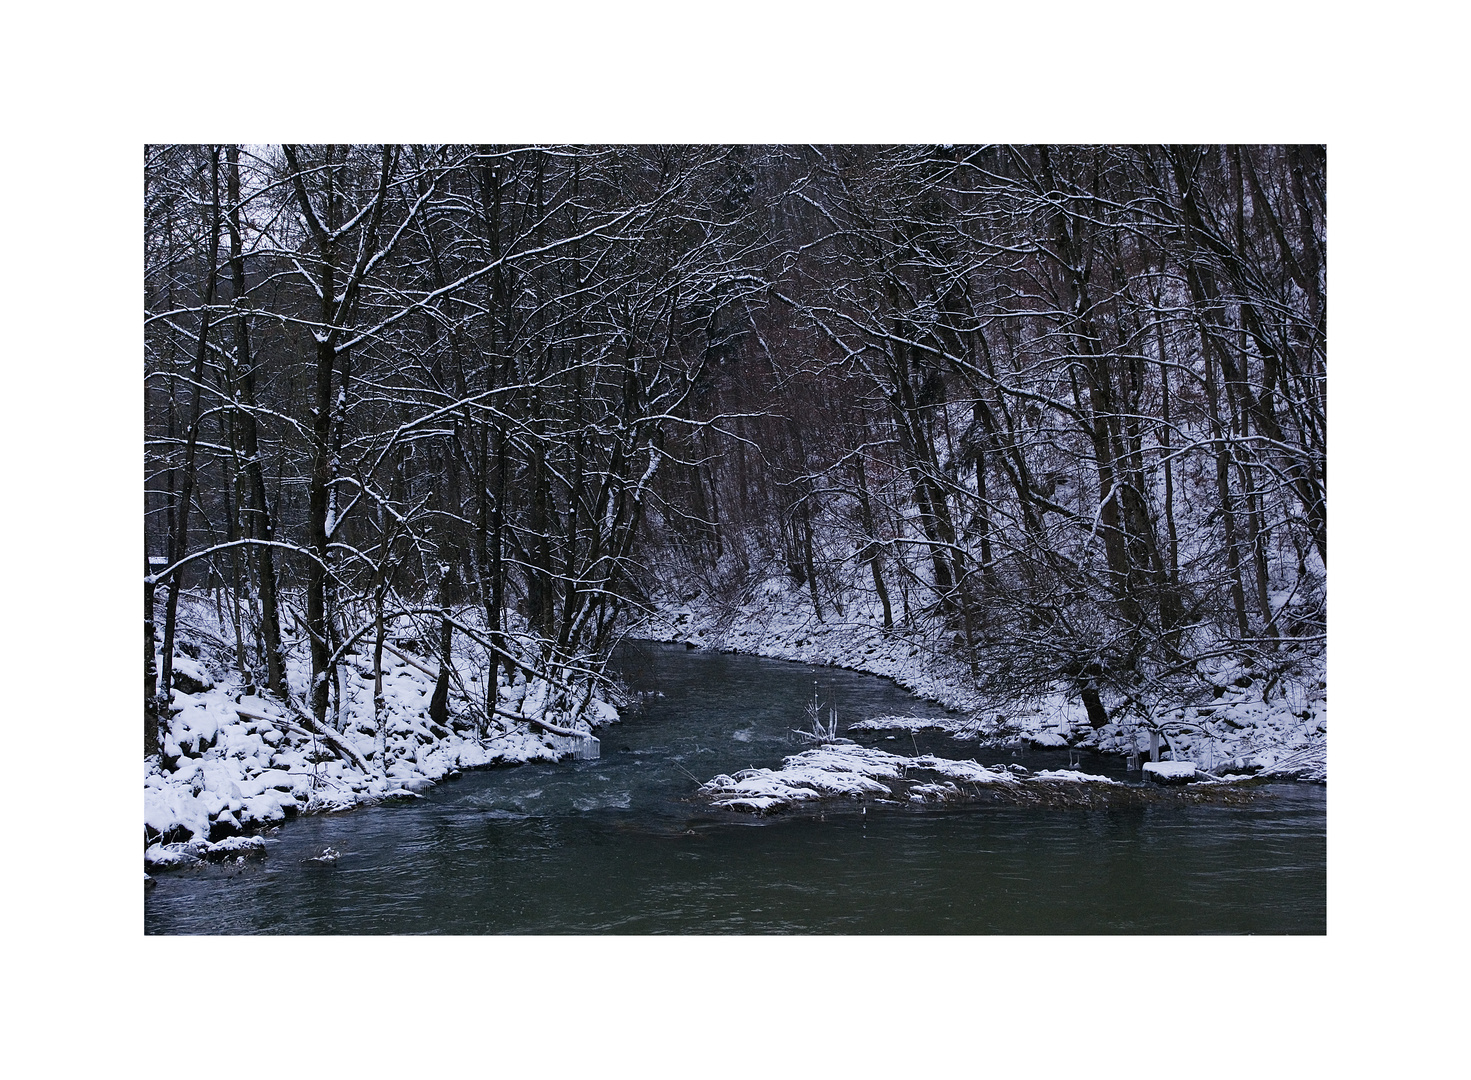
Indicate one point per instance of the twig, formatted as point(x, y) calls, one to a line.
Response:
point(691, 775)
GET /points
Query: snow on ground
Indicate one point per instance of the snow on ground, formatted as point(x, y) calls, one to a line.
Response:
point(846, 770)
point(1238, 733)
point(234, 762)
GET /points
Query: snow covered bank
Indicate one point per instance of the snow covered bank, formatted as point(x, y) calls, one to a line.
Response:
point(1254, 725)
point(232, 762)
point(847, 771)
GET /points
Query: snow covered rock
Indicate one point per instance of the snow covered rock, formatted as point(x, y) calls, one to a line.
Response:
point(224, 826)
point(190, 675)
point(233, 847)
point(172, 856)
point(1169, 772)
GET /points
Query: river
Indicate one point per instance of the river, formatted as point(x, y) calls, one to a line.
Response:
point(618, 845)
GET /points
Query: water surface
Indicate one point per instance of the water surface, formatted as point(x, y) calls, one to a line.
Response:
point(618, 845)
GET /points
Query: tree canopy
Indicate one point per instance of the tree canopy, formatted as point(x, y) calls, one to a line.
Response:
point(1058, 410)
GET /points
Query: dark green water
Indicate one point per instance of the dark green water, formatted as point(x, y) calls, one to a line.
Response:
point(617, 846)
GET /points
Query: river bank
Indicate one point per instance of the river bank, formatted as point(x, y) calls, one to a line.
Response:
point(1253, 725)
point(626, 844)
point(236, 760)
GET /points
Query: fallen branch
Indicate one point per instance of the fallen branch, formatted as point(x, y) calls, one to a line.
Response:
point(331, 738)
point(410, 661)
point(524, 665)
point(453, 674)
point(553, 728)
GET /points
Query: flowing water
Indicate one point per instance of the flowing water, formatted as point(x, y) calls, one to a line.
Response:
point(618, 845)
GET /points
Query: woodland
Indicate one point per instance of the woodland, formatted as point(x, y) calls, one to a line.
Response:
point(1056, 412)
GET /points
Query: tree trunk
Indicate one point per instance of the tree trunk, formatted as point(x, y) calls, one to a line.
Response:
point(872, 550)
point(1167, 455)
point(1223, 488)
point(317, 524)
point(260, 513)
point(439, 701)
point(1097, 714)
point(180, 544)
point(150, 675)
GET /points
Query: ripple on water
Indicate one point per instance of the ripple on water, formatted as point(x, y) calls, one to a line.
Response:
point(616, 845)
point(620, 800)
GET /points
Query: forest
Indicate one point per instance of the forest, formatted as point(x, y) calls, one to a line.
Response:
point(1056, 413)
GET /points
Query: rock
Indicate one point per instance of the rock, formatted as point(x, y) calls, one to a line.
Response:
point(223, 827)
point(175, 834)
point(187, 684)
point(236, 847)
point(172, 856)
point(1170, 772)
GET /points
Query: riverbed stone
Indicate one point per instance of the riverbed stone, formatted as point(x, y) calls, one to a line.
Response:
point(223, 826)
point(236, 847)
point(172, 856)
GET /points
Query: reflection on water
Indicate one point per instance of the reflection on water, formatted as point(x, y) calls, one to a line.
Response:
point(617, 846)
